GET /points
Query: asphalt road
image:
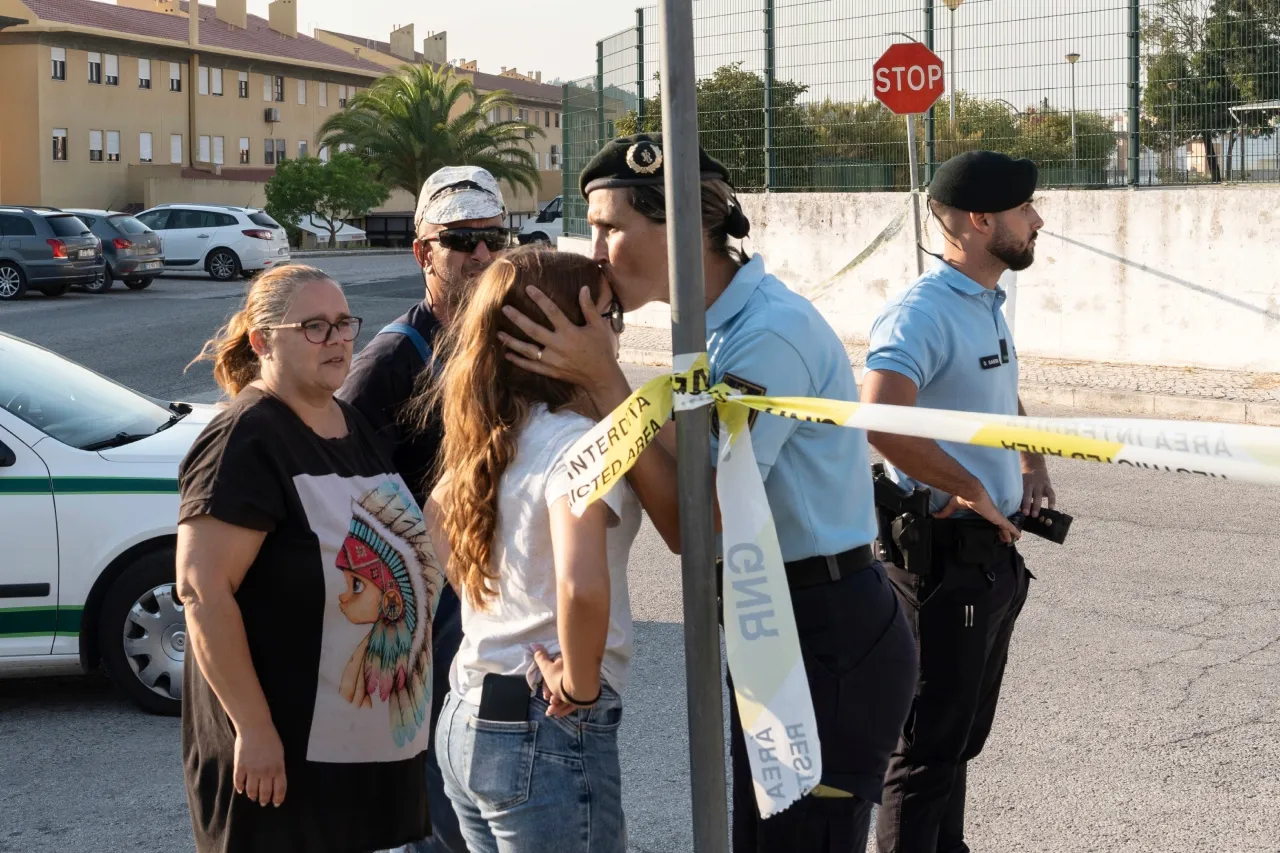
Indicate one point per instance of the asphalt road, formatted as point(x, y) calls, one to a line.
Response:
point(1142, 701)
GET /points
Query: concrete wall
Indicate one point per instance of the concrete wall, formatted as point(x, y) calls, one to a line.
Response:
point(1184, 276)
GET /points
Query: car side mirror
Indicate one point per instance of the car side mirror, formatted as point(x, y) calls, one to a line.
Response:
point(7, 457)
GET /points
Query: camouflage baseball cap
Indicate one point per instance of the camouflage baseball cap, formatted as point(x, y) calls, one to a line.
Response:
point(458, 193)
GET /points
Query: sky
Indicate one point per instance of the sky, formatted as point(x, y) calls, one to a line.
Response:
point(556, 37)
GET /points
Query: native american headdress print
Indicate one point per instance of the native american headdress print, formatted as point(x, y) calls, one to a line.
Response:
point(387, 544)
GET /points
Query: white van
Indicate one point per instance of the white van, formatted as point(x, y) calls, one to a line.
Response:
point(546, 226)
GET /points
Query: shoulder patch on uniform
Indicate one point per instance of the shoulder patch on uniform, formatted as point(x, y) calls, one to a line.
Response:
point(742, 386)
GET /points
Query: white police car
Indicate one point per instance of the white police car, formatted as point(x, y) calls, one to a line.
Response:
point(88, 524)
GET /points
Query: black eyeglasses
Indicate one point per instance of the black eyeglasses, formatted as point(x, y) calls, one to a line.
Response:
point(467, 239)
point(615, 317)
point(318, 331)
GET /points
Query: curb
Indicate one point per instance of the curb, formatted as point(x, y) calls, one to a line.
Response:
point(1098, 399)
point(349, 253)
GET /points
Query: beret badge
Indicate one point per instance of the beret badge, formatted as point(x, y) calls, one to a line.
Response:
point(644, 158)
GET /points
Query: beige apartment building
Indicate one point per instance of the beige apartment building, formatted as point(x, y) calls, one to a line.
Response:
point(129, 105)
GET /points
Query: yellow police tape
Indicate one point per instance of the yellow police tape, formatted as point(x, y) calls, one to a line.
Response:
point(760, 635)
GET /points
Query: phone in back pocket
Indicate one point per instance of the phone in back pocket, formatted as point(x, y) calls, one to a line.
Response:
point(504, 698)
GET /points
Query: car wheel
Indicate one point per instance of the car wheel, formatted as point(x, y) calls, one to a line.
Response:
point(13, 284)
point(52, 290)
point(142, 632)
point(139, 283)
point(103, 282)
point(248, 274)
point(223, 265)
point(537, 238)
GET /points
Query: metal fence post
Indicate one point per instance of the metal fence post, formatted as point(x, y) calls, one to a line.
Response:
point(640, 67)
point(929, 156)
point(693, 450)
point(1135, 93)
point(769, 74)
point(600, 138)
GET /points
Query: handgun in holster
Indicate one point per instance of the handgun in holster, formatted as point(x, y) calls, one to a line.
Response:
point(906, 537)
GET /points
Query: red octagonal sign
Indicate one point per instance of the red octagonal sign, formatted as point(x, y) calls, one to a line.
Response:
point(908, 78)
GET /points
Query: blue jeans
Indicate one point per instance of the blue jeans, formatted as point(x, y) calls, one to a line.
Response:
point(446, 637)
point(542, 786)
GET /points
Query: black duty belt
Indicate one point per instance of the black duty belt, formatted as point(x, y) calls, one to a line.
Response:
point(814, 571)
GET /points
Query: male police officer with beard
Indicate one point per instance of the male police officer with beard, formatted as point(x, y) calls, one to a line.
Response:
point(943, 344)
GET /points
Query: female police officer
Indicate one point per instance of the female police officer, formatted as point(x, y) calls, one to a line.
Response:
point(858, 650)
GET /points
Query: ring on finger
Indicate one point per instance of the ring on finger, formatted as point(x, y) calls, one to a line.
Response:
point(540, 351)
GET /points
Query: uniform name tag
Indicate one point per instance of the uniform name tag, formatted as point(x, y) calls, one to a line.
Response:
point(989, 361)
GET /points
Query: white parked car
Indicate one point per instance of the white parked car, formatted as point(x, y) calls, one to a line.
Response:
point(88, 522)
point(223, 241)
point(546, 226)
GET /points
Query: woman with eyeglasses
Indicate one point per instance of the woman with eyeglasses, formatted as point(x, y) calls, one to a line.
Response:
point(308, 580)
point(528, 739)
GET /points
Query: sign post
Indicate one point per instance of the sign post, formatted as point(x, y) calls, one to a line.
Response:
point(908, 80)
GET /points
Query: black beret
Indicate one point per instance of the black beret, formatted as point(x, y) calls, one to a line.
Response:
point(636, 161)
point(984, 182)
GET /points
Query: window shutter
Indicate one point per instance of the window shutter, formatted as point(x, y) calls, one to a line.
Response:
point(113, 65)
point(204, 80)
point(218, 144)
point(204, 149)
point(144, 146)
point(113, 142)
point(95, 140)
point(59, 54)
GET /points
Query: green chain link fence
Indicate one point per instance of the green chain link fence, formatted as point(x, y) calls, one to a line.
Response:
point(1100, 93)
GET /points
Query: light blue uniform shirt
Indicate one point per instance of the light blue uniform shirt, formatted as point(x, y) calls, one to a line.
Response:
point(764, 339)
point(945, 334)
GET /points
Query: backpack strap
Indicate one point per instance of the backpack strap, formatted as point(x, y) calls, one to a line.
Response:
point(414, 336)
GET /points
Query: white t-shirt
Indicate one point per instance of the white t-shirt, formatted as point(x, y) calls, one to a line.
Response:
point(523, 613)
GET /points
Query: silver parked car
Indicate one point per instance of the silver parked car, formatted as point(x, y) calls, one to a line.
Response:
point(47, 249)
point(132, 251)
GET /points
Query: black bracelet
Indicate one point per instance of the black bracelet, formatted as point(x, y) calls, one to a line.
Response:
point(578, 703)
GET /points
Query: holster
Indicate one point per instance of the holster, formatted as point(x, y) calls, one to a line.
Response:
point(905, 524)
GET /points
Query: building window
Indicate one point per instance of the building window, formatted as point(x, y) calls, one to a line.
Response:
point(175, 77)
point(302, 148)
point(557, 119)
point(324, 93)
point(218, 150)
point(302, 92)
point(342, 96)
point(60, 143)
point(279, 90)
point(546, 118)
point(175, 148)
point(113, 146)
point(280, 158)
point(215, 81)
point(324, 153)
point(508, 113)
point(144, 148)
point(269, 152)
point(203, 155)
point(59, 69)
point(95, 146)
point(523, 115)
point(266, 87)
point(555, 157)
point(144, 73)
point(113, 69)
point(203, 88)
point(244, 150)
point(95, 68)
point(244, 84)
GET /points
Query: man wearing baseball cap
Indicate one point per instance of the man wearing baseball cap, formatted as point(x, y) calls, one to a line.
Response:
point(459, 230)
point(943, 344)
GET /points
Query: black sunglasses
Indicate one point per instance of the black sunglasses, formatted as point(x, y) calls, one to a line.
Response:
point(467, 239)
point(615, 317)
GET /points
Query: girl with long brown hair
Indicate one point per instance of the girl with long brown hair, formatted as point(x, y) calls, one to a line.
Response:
point(527, 740)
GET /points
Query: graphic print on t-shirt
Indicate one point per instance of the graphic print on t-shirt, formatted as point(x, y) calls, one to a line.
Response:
point(382, 580)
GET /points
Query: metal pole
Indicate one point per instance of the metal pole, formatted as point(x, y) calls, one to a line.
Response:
point(951, 61)
point(1075, 149)
point(930, 153)
point(640, 67)
point(769, 74)
point(1135, 71)
point(1173, 141)
point(913, 167)
point(600, 138)
point(693, 450)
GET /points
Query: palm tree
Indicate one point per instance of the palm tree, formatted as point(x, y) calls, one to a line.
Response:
point(409, 124)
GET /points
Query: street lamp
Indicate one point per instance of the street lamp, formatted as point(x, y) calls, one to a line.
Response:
point(953, 5)
point(1172, 86)
point(1072, 59)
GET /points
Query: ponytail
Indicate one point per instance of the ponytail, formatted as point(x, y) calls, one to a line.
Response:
point(235, 364)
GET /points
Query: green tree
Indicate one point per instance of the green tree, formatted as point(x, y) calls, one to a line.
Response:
point(409, 124)
point(1202, 58)
point(731, 127)
point(343, 188)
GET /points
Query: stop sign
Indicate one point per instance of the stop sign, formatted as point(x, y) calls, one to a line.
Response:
point(908, 78)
